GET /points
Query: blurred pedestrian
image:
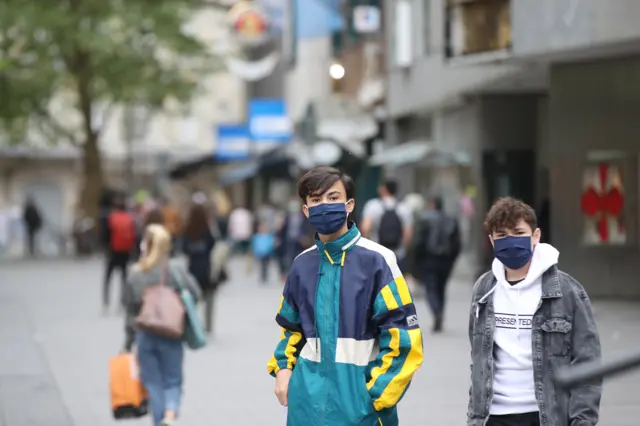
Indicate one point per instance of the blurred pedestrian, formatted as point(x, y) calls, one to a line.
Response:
point(262, 246)
point(294, 236)
point(33, 223)
point(172, 222)
point(160, 358)
point(240, 231)
point(198, 242)
point(5, 229)
point(435, 250)
point(120, 232)
point(220, 230)
point(389, 222)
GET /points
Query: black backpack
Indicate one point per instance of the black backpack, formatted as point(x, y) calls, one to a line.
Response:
point(441, 238)
point(390, 229)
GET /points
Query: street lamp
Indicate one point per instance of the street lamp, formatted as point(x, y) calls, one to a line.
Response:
point(336, 71)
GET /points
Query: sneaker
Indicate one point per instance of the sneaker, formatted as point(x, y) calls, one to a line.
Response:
point(168, 422)
point(437, 325)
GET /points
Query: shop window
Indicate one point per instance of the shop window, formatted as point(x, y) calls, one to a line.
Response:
point(477, 26)
point(426, 26)
point(603, 204)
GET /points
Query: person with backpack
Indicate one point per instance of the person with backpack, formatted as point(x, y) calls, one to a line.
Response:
point(436, 247)
point(388, 222)
point(120, 234)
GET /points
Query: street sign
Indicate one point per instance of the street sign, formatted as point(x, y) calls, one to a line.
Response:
point(234, 142)
point(366, 19)
point(269, 123)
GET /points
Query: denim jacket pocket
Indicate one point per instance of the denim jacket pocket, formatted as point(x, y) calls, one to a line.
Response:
point(557, 336)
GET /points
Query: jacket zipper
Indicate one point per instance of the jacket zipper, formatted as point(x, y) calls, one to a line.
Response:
point(324, 352)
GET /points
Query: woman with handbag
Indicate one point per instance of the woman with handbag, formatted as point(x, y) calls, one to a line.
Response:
point(156, 310)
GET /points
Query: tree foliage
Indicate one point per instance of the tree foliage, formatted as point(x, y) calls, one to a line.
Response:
point(94, 51)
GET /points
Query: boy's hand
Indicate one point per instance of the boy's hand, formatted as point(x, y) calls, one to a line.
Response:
point(282, 386)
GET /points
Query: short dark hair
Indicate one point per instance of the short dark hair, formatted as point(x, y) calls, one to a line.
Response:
point(119, 202)
point(506, 212)
point(391, 186)
point(437, 202)
point(317, 181)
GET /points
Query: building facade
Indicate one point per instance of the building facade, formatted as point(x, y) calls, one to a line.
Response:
point(544, 96)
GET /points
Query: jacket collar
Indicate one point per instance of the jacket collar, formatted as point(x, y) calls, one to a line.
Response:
point(335, 250)
point(551, 284)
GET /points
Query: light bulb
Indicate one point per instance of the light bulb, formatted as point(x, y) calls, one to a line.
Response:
point(336, 71)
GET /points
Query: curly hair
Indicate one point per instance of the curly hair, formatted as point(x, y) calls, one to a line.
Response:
point(505, 214)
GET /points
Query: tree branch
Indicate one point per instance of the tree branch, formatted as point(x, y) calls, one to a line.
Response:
point(216, 4)
point(44, 117)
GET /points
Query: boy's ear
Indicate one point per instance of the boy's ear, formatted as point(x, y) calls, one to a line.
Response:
point(537, 234)
point(305, 210)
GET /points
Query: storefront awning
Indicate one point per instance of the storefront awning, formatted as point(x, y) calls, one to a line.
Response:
point(406, 153)
point(239, 172)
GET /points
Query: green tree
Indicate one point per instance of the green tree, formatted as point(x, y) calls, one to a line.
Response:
point(94, 53)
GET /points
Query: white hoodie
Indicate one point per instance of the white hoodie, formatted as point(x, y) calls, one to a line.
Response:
point(514, 306)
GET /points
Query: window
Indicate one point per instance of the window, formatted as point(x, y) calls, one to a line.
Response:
point(478, 26)
point(403, 34)
point(426, 26)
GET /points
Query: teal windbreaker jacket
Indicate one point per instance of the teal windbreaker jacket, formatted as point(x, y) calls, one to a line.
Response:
point(349, 333)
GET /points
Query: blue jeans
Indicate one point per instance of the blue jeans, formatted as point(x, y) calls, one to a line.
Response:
point(160, 362)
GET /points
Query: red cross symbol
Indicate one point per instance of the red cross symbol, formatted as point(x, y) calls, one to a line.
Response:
point(602, 203)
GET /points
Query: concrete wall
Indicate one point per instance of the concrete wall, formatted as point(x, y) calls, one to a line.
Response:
point(19, 174)
point(594, 106)
point(309, 80)
point(543, 26)
point(430, 82)
point(483, 123)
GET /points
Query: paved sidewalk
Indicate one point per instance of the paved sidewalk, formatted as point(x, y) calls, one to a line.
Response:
point(55, 345)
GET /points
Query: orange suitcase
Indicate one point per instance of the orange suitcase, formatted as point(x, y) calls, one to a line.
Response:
point(129, 399)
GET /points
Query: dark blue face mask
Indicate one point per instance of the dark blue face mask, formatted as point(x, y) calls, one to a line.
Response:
point(513, 252)
point(328, 218)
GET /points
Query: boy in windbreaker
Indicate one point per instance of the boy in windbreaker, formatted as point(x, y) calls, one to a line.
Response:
point(527, 319)
point(350, 340)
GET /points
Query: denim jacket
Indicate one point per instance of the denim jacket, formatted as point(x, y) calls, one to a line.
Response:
point(563, 333)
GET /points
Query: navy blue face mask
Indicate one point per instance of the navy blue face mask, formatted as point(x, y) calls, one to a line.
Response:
point(328, 218)
point(513, 252)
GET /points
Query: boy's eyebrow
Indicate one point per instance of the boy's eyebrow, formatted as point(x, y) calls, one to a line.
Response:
point(335, 191)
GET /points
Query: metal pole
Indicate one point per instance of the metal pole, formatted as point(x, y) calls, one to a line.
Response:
point(577, 375)
point(129, 134)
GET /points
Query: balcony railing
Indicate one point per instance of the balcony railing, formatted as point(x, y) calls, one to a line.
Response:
point(477, 27)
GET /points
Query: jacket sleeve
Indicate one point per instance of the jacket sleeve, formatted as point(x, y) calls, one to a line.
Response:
point(584, 401)
point(399, 338)
point(292, 338)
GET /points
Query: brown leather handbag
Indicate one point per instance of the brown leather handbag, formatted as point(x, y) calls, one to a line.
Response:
point(162, 312)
